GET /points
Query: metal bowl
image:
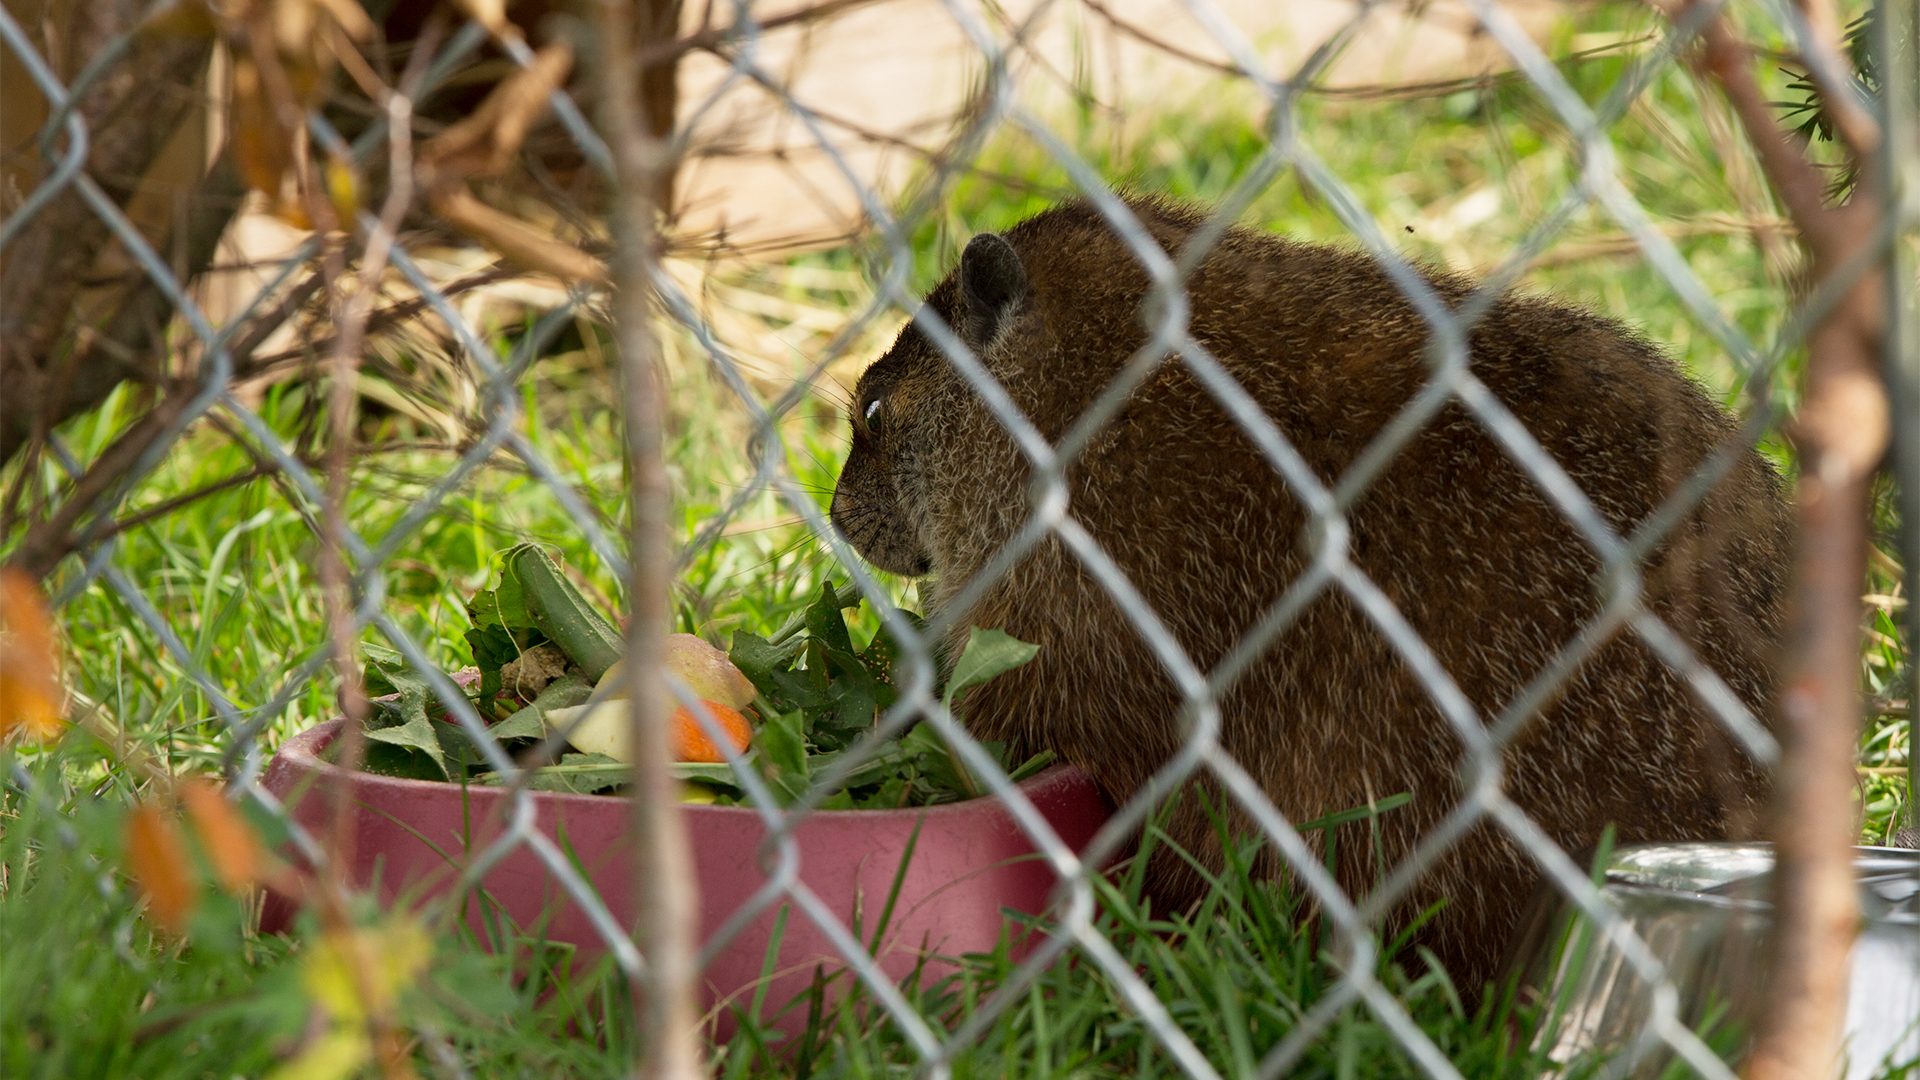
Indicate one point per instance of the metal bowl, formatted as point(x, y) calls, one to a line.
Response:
point(1704, 912)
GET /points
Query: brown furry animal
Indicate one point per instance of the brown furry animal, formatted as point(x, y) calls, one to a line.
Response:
point(1468, 548)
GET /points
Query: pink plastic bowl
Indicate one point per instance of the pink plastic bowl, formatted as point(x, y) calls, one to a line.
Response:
point(970, 861)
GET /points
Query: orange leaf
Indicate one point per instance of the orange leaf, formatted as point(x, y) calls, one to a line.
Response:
point(157, 858)
point(29, 676)
point(230, 844)
point(260, 148)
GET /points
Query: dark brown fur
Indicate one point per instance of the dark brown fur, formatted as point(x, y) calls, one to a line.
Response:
point(1469, 549)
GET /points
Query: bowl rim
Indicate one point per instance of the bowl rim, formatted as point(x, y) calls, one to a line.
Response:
point(1868, 860)
point(302, 752)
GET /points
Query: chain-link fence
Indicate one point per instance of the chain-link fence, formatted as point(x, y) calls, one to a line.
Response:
point(401, 153)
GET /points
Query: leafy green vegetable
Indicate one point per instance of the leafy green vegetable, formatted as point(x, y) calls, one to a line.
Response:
point(820, 693)
point(531, 722)
point(403, 740)
point(401, 719)
point(783, 741)
point(560, 612)
point(386, 671)
point(586, 774)
point(533, 604)
point(502, 630)
point(495, 646)
point(417, 733)
point(935, 761)
point(582, 774)
point(883, 650)
point(988, 653)
point(823, 697)
point(824, 622)
point(758, 659)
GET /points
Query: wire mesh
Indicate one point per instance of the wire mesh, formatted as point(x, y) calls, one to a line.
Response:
point(499, 433)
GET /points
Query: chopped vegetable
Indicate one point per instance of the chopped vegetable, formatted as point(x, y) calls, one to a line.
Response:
point(795, 706)
point(690, 741)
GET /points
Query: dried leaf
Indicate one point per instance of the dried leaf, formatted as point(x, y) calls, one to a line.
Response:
point(357, 973)
point(335, 1055)
point(158, 860)
point(491, 14)
point(484, 144)
point(25, 620)
point(524, 99)
point(514, 239)
point(30, 692)
point(351, 17)
point(230, 844)
point(260, 148)
point(343, 190)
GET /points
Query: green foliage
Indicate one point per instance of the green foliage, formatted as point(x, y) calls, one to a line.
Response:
point(94, 991)
point(821, 696)
point(988, 653)
point(556, 607)
point(529, 722)
point(532, 604)
point(90, 990)
point(1236, 975)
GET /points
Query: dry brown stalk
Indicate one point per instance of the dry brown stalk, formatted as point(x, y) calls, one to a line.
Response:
point(353, 311)
point(1841, 434)
point(485, 145)
point(711, 38)
point(51, 538)
point(515, 240)
point(669, 1032)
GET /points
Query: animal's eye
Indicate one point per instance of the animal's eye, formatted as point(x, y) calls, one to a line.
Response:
point(873, 417)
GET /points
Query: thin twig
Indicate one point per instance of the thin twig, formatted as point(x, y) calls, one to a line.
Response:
point(668, 1020)
point(352, 313)
point(712, 38)
point(247, 367)
point(154, 513)
point(1841, 434)
point(51, 539)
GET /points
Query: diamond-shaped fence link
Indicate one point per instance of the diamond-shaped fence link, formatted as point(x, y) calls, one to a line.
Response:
point(377, 256)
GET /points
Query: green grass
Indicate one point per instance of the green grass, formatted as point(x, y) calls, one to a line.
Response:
point(234, 575)
point(96, 990)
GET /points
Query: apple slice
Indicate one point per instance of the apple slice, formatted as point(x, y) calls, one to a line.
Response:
point(706, 670)
point(600, 728)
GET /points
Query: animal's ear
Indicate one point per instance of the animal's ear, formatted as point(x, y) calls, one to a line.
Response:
point(992, 281)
